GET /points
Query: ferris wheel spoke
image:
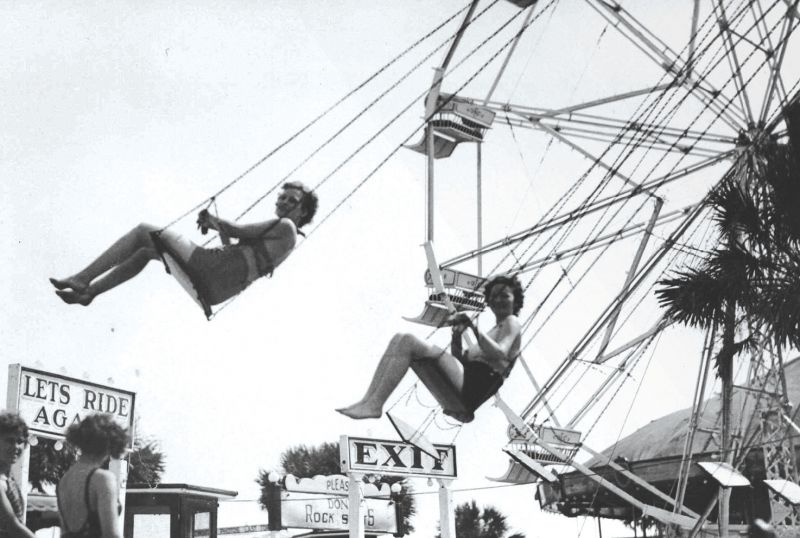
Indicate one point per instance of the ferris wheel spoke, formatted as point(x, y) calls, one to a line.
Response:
point(614, 171)
point(733, 60)
point(659, 52)
point(598, 205)
point(602, 241)
point(793, 7)
point(572, 114)
point(616, 131)
point(693, 38)
point(775, 82)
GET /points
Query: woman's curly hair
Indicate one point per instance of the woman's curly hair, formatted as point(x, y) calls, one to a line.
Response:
point(309, 202)
point(12, 423)
point(99, 435)
point(510, 281)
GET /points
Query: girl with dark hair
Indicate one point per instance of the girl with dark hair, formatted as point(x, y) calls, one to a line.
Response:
point(476, 372)
point(87, 494)
point(13, 439)
point(220, 272)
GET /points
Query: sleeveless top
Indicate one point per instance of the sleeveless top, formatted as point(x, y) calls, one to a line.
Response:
point(91, 527)
point(14, 495)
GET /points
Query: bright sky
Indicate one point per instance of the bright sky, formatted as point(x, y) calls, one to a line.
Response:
point(116, 113)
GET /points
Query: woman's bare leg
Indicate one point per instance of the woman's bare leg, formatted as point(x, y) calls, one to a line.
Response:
point(393, 365)
point(119, 274)
point(125, 258)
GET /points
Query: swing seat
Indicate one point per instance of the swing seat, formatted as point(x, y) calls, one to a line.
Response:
point(443, 390)
point(530, 466)
point(461, 119)
point(565, 443)
point(457, 120)
point(442, 147)
point(175, 266)
point(515, 474)
point(412, 435)
point(459, 290)
point(433, 314)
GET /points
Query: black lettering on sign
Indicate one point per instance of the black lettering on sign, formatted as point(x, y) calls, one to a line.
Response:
point(104, 403)
point(394, 455)
point(59, 418)
point(43, 389)
point(437, 462)
point(363, 452)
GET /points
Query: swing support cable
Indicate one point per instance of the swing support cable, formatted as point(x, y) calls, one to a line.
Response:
point(599, 242)
point(425, 120)
point(316, 119)
point(652, 262)
point(580, 212)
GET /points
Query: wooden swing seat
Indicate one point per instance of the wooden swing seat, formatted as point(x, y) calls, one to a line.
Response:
point(442, 147)
point(175, 266)
point(459, 290)
point(457, 120)
point(442, 389)
point(565, 442)
point(434, 314)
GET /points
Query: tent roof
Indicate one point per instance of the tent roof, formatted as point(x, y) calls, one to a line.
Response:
point(665, 436)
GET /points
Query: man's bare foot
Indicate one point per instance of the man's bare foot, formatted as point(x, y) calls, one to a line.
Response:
point(70, 283)
point(360, 411)
point(74, 297)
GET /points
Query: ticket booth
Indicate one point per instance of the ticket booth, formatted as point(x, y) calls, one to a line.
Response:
point(172, 511)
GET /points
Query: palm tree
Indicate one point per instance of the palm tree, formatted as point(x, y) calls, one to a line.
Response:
point(749, 284)
point(48, 464)
point(306, 462)
point(145, 463)
point(472, 522)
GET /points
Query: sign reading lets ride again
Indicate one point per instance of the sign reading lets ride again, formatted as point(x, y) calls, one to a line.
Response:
point(51, 403)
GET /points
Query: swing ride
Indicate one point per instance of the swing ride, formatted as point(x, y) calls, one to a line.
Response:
point(720, 113)
point(633, 180)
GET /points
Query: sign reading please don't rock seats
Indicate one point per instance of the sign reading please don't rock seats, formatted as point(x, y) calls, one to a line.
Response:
point(322, 503)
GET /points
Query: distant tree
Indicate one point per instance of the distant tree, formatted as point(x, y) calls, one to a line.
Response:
point(306, 462)
point(47, 465)
point(146, 463)
point(472, 522)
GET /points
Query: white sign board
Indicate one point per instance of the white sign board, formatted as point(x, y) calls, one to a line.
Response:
point(333, 485)
point(378, 456)
point(50, 403)
point(320, 511)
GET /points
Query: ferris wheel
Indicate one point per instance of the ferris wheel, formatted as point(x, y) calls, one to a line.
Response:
point(689, 109)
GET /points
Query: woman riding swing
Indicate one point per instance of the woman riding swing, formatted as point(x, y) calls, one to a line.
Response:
point(476, 373)
point(220, 272)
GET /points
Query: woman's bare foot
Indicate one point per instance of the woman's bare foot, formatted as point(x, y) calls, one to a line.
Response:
point(75, 297)
point(70, 283)
point(360, 411)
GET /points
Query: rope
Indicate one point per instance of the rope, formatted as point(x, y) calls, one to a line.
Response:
point(311, 123)
point(426, 119)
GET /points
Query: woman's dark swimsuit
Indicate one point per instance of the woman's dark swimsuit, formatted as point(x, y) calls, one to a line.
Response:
point(91, 527)
point(218, 274)
point(14, 496)
point(481, 382)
